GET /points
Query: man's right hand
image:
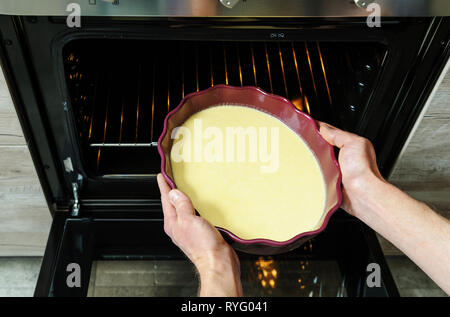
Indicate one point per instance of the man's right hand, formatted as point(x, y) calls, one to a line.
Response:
point(358, 165)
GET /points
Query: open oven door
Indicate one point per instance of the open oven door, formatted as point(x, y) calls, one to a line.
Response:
point(338, 262)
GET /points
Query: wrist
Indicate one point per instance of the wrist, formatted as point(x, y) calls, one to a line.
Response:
point(362, 193)
point(362, 186)
point(370, 198)
point(219, 273)
point(214, 261)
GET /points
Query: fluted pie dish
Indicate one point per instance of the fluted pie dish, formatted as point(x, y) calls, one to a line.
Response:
point(253, 165)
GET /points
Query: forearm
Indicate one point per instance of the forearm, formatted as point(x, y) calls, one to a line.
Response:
point(220, 275)
point(419, 232)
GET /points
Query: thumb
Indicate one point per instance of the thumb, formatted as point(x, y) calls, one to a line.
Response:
point(181, 202)
point(334, 136)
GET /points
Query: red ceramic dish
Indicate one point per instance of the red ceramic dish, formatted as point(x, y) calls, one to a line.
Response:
point(281, 109)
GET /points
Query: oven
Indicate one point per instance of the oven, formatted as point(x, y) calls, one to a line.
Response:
point(92, 100)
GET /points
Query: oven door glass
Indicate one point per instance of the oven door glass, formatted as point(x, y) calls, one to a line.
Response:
point(261, 277)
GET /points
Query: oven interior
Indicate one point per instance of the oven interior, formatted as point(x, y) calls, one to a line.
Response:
point(121, 90)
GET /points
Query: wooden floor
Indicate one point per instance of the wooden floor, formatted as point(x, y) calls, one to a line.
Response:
point(24, 216)
point(424, 169)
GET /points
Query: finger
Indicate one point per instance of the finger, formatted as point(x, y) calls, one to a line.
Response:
point(181, 202)
point(168, 209)
point(335, 136)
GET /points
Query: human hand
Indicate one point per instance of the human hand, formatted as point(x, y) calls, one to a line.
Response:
point(215, 260)
point(358, 166)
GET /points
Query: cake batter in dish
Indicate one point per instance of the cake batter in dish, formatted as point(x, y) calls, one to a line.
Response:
point(276, 196)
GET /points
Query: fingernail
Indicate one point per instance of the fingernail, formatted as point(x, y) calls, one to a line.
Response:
point(174, 195)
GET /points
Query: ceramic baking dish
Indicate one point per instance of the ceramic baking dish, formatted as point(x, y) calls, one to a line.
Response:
point(282, 109)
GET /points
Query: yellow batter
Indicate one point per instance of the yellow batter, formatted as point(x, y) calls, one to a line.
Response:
point(274, 189)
